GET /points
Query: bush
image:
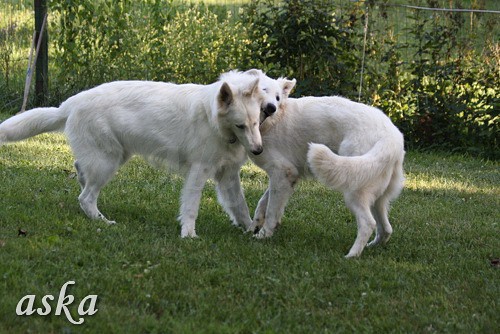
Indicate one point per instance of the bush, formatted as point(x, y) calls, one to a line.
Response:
point(439, 97)
point(436, 84)
point(196, 46)
point(444, 99)
point(304, 39)
point(100, 41)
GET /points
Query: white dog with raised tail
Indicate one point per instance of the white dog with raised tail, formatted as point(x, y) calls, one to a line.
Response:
point(203, 131)
point(302, 136)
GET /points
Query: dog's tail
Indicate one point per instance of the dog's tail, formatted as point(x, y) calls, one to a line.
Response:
point(354, 172)
point(31, 123)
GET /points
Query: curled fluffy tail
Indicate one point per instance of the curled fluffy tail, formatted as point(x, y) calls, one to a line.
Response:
point(31, 123)
point(352, 172)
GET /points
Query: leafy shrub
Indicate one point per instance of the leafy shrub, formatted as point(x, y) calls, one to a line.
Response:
point(195, 45)
point(15, 38)
point(306, 40)
point(435, 84)
point(444, 99)
point(93, 42)
point(99, 41)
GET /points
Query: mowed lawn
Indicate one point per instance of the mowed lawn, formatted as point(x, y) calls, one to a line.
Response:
point(437, 274)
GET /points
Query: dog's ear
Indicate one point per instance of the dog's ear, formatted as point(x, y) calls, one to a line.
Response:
point(225, 97)
point(255, 72)
point(252, 89)
point(287, 86)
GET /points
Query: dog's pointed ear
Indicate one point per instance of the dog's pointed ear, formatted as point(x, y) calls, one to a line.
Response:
point(287, 86)
point(255, 72)
point(225, 97)
point(252, 89)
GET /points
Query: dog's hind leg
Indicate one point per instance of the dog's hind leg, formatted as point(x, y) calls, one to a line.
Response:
point(380, 208)
point(281, 185)
point(359, 205)
point(93, 176)
point(80, 175)
point(191, 197)
point(384, 229)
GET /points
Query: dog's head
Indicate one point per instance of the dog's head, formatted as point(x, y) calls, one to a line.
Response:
point(275, 92)
point(239, 102)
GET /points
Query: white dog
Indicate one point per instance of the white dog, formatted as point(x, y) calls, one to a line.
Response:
point(367, 167)
point(202, 131)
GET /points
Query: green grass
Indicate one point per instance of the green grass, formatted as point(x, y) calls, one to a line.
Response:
point(433, 276)
point(16, 31)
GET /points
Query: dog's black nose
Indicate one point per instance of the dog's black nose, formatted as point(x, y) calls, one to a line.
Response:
point(270, 109)
point(258, 150)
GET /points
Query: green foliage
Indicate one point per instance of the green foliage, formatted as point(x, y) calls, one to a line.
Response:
point(305, 40)
point(436, 75)
point(445, 95)
point(103, 41)
point(197, 46)
point(92, 42)
point(15, 28)
point(448, 96)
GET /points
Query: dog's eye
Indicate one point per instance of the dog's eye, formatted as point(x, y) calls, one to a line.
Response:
point(240, 126)
point(264, 89)
point(277, 98)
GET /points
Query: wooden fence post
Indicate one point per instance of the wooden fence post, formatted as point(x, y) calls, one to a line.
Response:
point(42, 64)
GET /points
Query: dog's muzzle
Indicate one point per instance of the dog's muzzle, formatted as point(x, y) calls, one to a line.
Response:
point(269, 110)
point(258, 150)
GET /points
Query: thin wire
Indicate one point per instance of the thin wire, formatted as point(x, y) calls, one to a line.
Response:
point(452, 9)
point(432, 9)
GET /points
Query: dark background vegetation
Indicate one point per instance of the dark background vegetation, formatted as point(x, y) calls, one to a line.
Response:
point(436, 74)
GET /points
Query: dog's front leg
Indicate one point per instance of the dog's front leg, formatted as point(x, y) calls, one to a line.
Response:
point(231, 196)
point(281, 184)
point(190, 199)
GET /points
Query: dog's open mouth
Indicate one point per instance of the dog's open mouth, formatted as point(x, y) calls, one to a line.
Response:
point(264, 115)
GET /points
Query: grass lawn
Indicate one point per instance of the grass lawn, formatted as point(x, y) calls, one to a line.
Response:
point(435, 275)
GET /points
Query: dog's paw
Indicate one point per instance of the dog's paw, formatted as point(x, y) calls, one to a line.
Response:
point(256, 226)
point(379, 240)
point(374, 242)
point(250, 229)
point(263, 233)
point(106, 220)
point(189, 236)
point(188, 233)
point(352, 256)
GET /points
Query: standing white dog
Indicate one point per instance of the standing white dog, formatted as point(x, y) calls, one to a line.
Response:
point(202, 131)
point(367, 168)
